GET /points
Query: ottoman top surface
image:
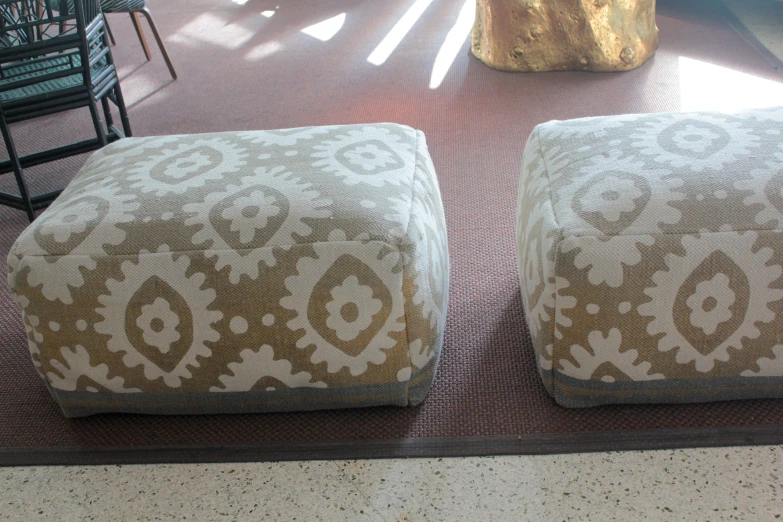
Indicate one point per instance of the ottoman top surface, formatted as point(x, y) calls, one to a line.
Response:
point(677, 173)
point(236, 190)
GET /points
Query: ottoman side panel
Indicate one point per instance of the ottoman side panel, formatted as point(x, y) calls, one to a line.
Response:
point(31, 321)
point(670, 268)
point(426, 281)
point(537, 237)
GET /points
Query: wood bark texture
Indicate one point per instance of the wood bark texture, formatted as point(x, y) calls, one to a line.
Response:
point(558, 35)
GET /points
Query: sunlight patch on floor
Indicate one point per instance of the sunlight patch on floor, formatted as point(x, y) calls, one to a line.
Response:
point(325, 30)
point(453, 43)
point(140, 87)
point(211, 29)
point(398, 32)
point(262, 51)
point(708, 87)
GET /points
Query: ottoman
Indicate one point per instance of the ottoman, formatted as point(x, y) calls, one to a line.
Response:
point(650, 256)
point(278, 270)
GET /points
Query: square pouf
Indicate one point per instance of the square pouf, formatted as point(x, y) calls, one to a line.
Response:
point(650, 256)
point(280, 270)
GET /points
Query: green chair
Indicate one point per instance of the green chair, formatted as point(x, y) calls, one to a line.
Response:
point(53, 61)
point(134, 7)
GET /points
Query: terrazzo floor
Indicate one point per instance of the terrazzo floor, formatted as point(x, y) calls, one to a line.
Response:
point(743, 483)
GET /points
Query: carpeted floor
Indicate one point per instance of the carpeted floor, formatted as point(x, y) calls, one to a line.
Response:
point(239, 70)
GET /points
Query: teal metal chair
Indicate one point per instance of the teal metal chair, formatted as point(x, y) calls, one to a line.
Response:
point(53, 61)
point(134, 8)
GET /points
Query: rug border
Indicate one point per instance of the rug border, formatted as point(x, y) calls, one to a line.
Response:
point(538, 444)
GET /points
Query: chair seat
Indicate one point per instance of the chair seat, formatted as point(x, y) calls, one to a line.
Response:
point(122, 6)
point(56, 63)
point(112, 6)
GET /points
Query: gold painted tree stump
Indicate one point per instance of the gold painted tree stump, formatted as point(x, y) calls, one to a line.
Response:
point(558, 35)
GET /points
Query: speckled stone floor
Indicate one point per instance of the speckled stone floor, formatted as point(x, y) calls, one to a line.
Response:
point(690, 485)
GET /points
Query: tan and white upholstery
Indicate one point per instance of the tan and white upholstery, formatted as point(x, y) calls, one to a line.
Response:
point(240, 272)
point(650, 253)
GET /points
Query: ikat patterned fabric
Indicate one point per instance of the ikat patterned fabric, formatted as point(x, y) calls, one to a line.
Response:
point(650, 255)
point(240, 272)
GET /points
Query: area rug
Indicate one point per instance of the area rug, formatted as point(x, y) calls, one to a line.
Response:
point(241, 67)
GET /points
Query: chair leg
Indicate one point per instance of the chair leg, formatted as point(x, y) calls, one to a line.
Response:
point(143, 39)
point(97, 123)
point(146, 12)
point(17, 166)
point(120, 101)
point(107, 112)
point(108, 31)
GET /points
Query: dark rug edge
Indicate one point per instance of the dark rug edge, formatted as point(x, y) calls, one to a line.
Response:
point(538, 444)
point(736, 24)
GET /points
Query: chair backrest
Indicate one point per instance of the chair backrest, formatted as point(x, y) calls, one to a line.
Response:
point(34, 32)
point(23, 21)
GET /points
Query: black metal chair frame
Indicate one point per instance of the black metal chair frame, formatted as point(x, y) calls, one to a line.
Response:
point(25, 44)
point(134, 15)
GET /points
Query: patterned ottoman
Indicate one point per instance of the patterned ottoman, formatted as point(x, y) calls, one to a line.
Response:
point(240, 272)
point(651, 255)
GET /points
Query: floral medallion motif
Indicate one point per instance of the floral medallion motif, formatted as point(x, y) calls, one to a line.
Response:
point(341, 275)
point(352, 308)
point(158, 324)
point(186, 166)
point(712, 298)
point(709, 142)
point(241, 223)
point(372, 155)
point(615, 210)
point(159, 316)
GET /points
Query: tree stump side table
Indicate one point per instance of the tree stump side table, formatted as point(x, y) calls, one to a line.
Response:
point(558, 35)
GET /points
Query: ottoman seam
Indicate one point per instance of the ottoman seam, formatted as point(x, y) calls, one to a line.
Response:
point(686, 233)
point(196, 250)
point(419, 135)
point(555, 261)
point(15, 250)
